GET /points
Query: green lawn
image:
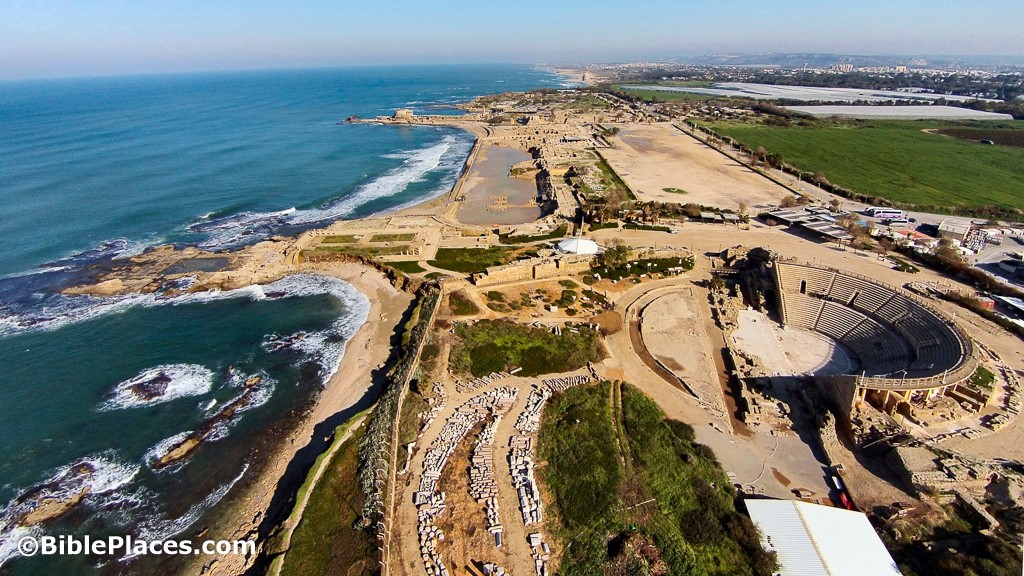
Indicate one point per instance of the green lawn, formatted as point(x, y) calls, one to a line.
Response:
point(409, 267)
point(470, 260)
point(897, 160)
point(523, 238)
point(367, 250)
point(392, 237)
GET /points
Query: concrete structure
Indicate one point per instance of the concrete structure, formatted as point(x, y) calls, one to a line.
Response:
point(813, 540)
point(908, 351)
point(954, 229)
point(533, 269)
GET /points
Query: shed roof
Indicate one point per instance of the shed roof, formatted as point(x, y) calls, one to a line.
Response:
point(813, 540)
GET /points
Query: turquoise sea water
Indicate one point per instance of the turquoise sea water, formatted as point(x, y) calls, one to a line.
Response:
point(96, 169)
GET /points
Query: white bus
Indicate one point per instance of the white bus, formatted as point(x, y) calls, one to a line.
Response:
point(886, 213)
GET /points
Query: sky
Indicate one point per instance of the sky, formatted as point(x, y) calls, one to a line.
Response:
point(56, 38)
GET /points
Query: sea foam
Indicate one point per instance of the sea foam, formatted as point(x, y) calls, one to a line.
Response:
point(180, 380)
point(105, 474)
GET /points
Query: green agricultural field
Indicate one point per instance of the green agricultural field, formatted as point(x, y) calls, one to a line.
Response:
point(667, 95)
point(632, 493)
point(897, 160)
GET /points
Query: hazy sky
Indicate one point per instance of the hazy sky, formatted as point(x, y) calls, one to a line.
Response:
point(88, 37)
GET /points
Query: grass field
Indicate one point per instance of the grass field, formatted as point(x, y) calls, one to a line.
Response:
point(325, 541)
point(492, 346)
point(999, 136)
point(633, 494)
point(523, 238)
point(667, 95)
point(470, 260)
point(409, 267)
point(897, 160)
point(370, 251)
point(461, 305)
point(392, 238)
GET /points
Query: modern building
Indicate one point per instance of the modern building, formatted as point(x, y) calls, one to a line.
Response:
point(954, 229)
point(814, 540)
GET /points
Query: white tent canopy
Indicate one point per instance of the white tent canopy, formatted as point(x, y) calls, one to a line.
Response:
point(578, 246)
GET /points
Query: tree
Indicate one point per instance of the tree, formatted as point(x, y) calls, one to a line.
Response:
point(760, 153)
point(616, 255)
point(788, 202)
point(835, 205)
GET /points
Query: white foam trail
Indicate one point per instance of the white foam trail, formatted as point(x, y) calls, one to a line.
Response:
point(327, 346)
point(102, 474)
point(161, 448)
point(184, 380)
point(392, 182)
point(153, 528)
point(237, 229)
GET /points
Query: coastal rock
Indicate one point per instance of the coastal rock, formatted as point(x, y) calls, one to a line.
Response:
point(49, 501)
point(193, 441)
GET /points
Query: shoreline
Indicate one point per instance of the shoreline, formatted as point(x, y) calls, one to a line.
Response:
point(252, 511)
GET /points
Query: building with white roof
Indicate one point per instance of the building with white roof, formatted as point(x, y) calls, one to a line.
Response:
point(578, 246)
point(814, 540)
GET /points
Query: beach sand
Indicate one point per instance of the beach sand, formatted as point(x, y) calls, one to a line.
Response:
point(368, 349)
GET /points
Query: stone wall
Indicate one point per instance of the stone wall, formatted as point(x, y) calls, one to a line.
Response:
point(533, 269)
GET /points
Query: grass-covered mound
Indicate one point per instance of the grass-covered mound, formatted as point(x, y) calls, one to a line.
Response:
point(326, 540)
point(632, 493)
point(492, 346)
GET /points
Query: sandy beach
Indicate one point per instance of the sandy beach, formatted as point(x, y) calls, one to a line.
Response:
point(243, 515)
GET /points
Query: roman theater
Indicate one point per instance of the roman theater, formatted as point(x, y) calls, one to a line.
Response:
point(907, 350)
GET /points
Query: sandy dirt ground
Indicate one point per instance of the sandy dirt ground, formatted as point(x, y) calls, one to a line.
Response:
point(488, 181)
point(674, 334)
point(467, 544)
point(788, 351)
point(735, 454)
point(652, 157)
point(366, 351)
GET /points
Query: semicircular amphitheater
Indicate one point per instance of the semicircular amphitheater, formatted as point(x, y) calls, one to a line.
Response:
point(905, 348)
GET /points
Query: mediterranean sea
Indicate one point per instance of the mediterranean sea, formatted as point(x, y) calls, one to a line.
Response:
point(99, 169)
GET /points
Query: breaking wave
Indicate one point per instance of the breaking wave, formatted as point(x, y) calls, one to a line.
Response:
point(158, 385)
point(96, 475)
point(237, 229)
